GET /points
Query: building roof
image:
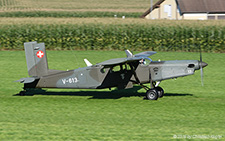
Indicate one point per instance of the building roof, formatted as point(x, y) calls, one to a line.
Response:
point(201, 6)
point(156, 5)
point(194, 6)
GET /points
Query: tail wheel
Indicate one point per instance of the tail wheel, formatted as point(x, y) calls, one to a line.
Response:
point(152, 94)
point(22, 93)
point(160, 91)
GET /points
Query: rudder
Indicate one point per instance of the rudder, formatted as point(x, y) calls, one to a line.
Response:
point(36, 58)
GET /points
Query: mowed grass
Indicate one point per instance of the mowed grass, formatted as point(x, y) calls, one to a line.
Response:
point(186, 109)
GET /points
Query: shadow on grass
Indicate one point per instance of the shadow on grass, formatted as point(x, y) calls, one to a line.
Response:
point(96, 94)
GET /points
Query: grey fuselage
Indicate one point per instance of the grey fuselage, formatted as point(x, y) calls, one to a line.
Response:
point(119, 72)
point(121, 76)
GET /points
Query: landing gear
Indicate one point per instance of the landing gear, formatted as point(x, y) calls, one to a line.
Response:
point(160, 91)
point(154, 93)
point(22, 93)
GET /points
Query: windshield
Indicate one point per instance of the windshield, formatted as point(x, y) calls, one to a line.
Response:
point(145, 61)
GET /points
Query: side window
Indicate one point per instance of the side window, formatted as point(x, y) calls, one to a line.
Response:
point(102, 70)
point(122, 67)
point(127, 67)
point(116, 68)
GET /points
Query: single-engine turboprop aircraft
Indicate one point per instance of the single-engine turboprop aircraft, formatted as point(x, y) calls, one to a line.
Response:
point(122, 73)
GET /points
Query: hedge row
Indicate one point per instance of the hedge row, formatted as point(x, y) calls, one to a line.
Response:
point(60, 14)
point(115, 37)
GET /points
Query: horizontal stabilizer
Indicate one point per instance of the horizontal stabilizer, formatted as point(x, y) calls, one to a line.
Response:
point(87, 63)
point(26, 80)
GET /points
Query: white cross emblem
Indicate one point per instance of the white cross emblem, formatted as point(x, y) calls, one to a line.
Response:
point(40, 54)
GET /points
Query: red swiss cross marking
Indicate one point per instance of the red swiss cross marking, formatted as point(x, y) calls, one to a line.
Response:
point(40, 54)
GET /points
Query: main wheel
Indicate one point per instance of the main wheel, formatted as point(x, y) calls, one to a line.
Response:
point(152, 94)
point(22, 93)
point(160, 91)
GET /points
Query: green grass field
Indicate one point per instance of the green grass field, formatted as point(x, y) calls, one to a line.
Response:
point(187, 111)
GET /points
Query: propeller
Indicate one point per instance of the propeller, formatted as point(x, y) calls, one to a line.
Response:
point(201, 69)
point(202, 65)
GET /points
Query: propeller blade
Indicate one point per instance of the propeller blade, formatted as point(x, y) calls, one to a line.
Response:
point(202, 76)
point(202, 64)
point(200, 55)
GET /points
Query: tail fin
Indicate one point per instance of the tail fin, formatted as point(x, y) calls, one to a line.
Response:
point(36, 57)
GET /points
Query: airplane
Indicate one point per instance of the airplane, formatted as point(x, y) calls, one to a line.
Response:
point(122, 73)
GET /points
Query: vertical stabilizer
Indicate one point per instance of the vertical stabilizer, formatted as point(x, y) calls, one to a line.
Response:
point(36, 57)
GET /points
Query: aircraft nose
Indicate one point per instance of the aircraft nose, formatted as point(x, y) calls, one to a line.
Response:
point(203, 64)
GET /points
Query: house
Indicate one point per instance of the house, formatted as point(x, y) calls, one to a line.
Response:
point(187, 9)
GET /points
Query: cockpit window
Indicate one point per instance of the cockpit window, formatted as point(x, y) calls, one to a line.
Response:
point(102, 70)
point(145, 61)
point(142, 61)
point(121, 67)
point(116, 68)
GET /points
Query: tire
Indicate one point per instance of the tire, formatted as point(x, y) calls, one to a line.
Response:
point(22, 93)
point(152, 94)
point(160, 91)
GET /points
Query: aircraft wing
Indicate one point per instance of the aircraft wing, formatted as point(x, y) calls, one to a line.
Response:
point(145, 54)
point(119, 61)
point(130, 58)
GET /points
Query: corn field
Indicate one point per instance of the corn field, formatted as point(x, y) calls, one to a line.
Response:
point(68, 14)
point(138, 34)
point(115, 37)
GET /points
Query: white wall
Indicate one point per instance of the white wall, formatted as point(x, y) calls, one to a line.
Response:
point(195, 16)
